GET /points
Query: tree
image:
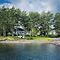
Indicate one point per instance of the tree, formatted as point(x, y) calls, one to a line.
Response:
point(57, 23)
point(45, 23)
point(8, 18)
point(33, 22)
point(3, 20)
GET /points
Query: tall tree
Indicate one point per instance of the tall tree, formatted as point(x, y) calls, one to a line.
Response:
point(33, 22)
point(3, 20)
point(57, 23)
point(45, 23)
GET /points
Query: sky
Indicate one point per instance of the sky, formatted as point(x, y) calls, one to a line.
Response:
point(33, 5)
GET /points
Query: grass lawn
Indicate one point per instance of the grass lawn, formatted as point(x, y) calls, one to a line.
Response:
point(39, 38)
point(9, 38)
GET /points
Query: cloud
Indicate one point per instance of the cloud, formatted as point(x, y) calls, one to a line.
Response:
point(37, 5)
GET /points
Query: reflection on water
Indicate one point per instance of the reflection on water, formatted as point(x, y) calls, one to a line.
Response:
point(29, 52)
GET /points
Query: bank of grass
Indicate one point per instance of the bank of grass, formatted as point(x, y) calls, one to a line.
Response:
point(9, 38)
point(15, 38)
point(39, 38)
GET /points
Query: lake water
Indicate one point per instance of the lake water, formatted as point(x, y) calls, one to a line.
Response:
point(29, 52)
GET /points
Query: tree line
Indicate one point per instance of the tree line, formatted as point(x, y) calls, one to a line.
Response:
point(33, 22)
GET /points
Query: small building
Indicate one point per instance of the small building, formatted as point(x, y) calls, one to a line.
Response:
point(19, 31)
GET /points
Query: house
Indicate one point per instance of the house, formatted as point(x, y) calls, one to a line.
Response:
point(19, 30)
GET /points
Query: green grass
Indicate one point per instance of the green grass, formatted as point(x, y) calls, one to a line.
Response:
point(38, 38)
point(9, 38)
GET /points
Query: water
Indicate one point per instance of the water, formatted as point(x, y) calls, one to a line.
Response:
point(29, 52)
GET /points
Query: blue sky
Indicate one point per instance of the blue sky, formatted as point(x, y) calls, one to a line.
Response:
point(33, 5)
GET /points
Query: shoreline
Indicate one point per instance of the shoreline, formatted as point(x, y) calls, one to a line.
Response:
point(31, 41)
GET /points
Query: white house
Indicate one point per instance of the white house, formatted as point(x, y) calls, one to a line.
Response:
point(19, 30)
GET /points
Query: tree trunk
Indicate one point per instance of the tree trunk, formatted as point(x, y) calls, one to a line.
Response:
point(4, 31)
point(12, 31)
point(0, 33)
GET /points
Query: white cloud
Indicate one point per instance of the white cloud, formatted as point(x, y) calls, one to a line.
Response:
point(36, 5)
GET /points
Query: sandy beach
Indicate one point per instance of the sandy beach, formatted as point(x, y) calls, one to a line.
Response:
point(55, 41)
point(25, 41)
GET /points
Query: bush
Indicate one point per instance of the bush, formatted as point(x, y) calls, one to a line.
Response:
point(52, 36)
point(29, 38)
point(9, 34)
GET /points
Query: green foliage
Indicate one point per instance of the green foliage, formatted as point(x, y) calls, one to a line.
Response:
point(33, 22)
point(57, 23)
point(8, 18)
